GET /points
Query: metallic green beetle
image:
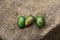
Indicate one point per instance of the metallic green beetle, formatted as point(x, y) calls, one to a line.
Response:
point(40, 21)
point(21, 21)
point(29, 20)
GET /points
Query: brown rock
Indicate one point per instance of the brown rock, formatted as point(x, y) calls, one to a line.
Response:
point(9, 30)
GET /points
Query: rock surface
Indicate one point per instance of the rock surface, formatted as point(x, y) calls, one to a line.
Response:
point(10, 10)
point(54, 34)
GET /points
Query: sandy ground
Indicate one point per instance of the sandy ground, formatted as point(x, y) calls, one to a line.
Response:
point(10, 10)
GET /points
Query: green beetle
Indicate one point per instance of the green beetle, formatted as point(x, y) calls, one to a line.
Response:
point(29, 21)
point(40, 21)
point(21, 21)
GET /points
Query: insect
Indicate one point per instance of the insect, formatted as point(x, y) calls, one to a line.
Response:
point(29, 20)
point(21, 21)
point(39, 21)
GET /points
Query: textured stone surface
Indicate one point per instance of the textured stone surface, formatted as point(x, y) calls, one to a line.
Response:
point(54, 34)
point(10, 10)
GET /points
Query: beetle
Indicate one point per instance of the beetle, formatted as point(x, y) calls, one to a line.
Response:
point(21, 21)
point(39, 21)
point(29, 21)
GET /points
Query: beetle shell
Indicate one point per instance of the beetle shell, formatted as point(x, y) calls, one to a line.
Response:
point(21, 22)
point(40, 21)
point(29, 20)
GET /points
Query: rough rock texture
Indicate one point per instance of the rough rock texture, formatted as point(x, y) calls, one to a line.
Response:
point(10, 10)
point(54, 34)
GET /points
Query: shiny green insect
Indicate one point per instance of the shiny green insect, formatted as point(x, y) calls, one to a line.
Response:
point(29, 21)
point(21, 21)
point(40, 21)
